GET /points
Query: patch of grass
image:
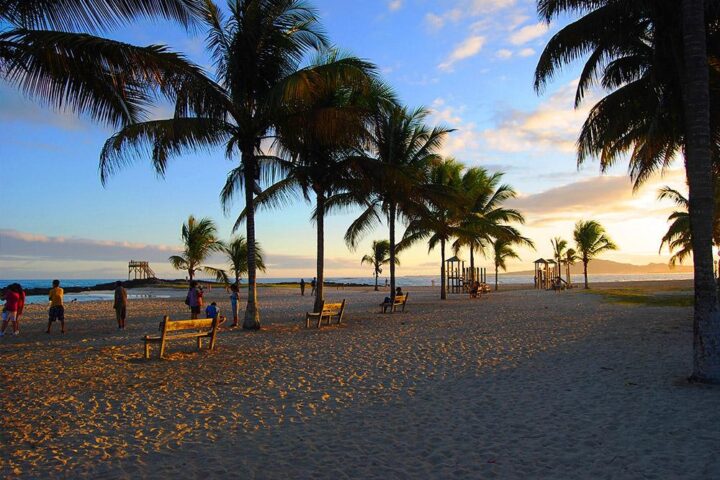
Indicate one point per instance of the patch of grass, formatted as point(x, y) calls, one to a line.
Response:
point(636, 296)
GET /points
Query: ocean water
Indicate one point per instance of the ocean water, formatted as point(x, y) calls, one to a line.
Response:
point(404, 281)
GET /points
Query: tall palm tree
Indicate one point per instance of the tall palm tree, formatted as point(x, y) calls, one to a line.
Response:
point(484, 217)
point(571, 258)
point(591, 240)
point(502, 251)
point(559, 246)
point(400, 151)
point(698, 147)
point(438, 219)
point(664, 78)
point(236, 256)
point(257, 53)
point(200, 240)
point(378, 258)
point(50, 50)
point(314, 137)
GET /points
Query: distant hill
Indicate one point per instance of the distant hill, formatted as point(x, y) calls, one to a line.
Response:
point(617, 268)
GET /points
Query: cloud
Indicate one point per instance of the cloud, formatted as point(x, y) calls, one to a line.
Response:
point(469, 47)
point(464, 138)
point(503, 53)
point(526, 52)
point(464, 8)
point(528, 33)
point(394, 5)
point(15, 244)
point(554, 125)
point(15, 108)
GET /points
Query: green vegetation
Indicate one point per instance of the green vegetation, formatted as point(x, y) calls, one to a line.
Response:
point(645, 297)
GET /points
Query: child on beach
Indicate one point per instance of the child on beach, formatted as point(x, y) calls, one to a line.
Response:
point(211, 311)
point(21, 307)
point(57, 308)
point(9, 314)
point(194, 300)
point(120, 304)
point(234, 301)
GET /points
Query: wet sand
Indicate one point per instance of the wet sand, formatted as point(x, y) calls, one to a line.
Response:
point(517, 384)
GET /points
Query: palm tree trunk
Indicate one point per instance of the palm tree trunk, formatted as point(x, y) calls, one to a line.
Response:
point(472, 263)
point(320, 219)
point(696, 93)
point(443, 293)
point(252, 311)
point(585, 264)
point(376, 279)
point(567, 273)
point(496, 277)
point(391, 224)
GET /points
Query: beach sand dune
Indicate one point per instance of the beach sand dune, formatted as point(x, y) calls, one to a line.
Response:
point(517, 384)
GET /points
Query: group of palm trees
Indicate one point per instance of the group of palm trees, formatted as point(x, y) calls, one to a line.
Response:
point(659, 61)
point(200, 240)
point(590, 241)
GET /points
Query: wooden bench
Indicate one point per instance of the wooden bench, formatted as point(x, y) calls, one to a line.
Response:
point(400, 300)
point(327, 311)
point(184, 329)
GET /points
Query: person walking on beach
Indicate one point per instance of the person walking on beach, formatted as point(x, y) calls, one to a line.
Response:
point(194, 300)
point(57, 308)
point(313, 284)
point(234, 303)
point(9, 314)
point(302, 287)
point(120, 304)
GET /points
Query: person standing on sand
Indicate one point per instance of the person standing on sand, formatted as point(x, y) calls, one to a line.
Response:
point(234, 302)
point(21, 307)
point(120, 304)
point(302, 287)
point(194, 300)
point(57, 308)
point(313, 284)
point(9, 314)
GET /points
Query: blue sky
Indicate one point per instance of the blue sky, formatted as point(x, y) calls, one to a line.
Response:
point(470, 61)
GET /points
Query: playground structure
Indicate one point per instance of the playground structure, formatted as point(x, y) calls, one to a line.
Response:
point(140, 269)
point(459, 279)
point(548, 274)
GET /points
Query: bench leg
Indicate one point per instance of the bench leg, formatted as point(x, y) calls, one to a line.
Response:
point(319, 320)
point(307, 321)
point(147, 350)
point(199, 340)
point(162, 348)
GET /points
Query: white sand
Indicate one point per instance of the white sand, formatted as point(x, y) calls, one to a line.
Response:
point(518, 384)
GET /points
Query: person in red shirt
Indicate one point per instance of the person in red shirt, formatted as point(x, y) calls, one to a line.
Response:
point(9, 314)
point(21, 308)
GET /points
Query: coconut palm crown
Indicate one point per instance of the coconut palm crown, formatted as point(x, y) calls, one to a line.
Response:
point(380, 256)
point(200, 240)
point(591, 240)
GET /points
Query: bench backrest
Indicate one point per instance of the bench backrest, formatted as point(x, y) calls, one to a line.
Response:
point(196, 324)
point(333, 308)
point(400, 299)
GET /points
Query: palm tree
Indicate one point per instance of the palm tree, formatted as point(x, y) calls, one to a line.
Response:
point(200, 240)
point(45, 52)
point(502, 251)
point(664, 100)
point(438, 219)
point(559, 247)
point(378, 258)
point(678, 237)
point(314, 137)
point(400, 151)
point(257, 52)
point(483, 215)
point(591, 240)
point(698, 147)
point(571, 257)
point(236, 255)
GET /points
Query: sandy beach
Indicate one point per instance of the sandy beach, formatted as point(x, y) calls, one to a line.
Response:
point(517, 384)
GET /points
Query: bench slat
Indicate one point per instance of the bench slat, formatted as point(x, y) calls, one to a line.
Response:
point(175, 325)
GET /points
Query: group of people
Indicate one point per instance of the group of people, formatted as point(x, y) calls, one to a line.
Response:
point(13, 308)
point(194, 300)
point(313, 286)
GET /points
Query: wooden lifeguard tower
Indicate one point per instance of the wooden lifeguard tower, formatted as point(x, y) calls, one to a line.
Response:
point(140, 269)
point(459, 278)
